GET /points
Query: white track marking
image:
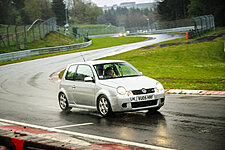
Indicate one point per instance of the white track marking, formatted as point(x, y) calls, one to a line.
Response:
point(89, 136)
point(74, 125)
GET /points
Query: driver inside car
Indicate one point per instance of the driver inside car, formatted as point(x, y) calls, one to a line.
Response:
point(109, 73)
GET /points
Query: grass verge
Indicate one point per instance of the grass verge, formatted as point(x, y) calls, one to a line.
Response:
point(100, 42)
point(50, 40)
point(194, 66)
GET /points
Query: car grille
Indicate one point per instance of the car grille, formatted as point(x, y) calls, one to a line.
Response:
point(144, 103)
point(138, 92)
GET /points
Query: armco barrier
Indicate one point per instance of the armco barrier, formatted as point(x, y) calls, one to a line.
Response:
point(41, 51)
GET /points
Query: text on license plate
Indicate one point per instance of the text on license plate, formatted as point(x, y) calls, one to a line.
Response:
point(141, 98)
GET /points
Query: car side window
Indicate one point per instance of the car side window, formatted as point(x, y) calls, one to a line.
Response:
point(71, 73)
point(83, 71)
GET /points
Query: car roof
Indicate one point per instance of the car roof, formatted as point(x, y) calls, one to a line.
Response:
point(95, 62)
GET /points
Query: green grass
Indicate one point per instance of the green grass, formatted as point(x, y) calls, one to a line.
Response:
point(103, 42)
point(52, 39)
point(100, 42)
point(91, 29)
point(189, 66)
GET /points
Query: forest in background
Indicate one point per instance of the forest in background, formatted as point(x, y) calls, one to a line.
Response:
point(19, 12)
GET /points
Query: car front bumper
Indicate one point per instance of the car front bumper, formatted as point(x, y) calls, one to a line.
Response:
point(124, 103)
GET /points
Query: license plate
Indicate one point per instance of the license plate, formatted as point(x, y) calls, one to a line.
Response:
point(144, 98)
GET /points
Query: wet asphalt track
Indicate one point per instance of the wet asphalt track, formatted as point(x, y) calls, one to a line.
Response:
point(29, 94)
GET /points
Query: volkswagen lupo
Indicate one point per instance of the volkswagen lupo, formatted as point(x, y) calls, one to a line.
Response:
point(109, 86)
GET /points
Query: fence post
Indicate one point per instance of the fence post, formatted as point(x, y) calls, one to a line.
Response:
point(8, 35)
point(25, 35)
point(16, 35)
point(39, 31)
point(48, 26)
point(213, 22)
point(33, 33)
point(206, 22)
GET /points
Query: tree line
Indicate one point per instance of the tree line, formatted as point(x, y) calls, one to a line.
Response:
point(80, 12)
point(128, 17)
point(167, 10)
point(18, 12)
point(180, 9)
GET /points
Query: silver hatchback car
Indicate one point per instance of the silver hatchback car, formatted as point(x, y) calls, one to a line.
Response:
point(109, 86)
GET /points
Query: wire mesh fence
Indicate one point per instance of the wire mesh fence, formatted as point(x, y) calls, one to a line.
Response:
point(97, 31)
point(197, 26)
point(169, 26)
point(20, 35)
point(202, 24)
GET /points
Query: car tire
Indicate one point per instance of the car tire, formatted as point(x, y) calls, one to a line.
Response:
point(103, 106)
point(63, 102)
point(153, 110)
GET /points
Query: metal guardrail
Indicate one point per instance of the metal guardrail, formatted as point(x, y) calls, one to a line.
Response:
point(41, 51)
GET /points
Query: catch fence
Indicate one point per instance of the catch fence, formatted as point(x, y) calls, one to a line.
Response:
point(87, 31)
point(97, 31)
point(169, 26)
point(20, 35)
point(196, 26)
point(202, 24)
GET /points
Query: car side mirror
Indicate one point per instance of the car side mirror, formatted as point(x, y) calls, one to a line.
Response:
point(89, 79)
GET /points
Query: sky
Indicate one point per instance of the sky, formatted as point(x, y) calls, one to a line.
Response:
point(101, 3)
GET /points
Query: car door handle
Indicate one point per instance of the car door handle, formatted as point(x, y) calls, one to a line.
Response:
point(74, 86)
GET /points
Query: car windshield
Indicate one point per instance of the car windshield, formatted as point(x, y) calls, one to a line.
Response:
point(115, 70)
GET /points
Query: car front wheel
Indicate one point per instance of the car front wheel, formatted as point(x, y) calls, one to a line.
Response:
point(104, 106)
point(153, 110)
point(63, 102)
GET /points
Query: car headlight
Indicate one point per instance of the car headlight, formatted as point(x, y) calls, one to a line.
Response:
point(159, 88)
point(121, 90)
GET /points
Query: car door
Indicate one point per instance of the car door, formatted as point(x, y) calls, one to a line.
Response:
point(68, 82)
point(84, 91)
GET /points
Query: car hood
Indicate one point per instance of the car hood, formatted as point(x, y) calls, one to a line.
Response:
point(130, 83)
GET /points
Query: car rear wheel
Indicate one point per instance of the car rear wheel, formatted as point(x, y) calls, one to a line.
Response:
point(104, 106)
point(63, 102)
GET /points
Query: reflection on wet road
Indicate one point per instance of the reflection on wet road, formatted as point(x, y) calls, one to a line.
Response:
point(186, 122)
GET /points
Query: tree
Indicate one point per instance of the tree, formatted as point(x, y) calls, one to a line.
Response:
point(46, 10)
point(36, 9)
point(5, 9)
point(58, 8)
point(33, 10)
point(173, 9)
point(82, 12)
point(206, 7)
point(133, 17)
